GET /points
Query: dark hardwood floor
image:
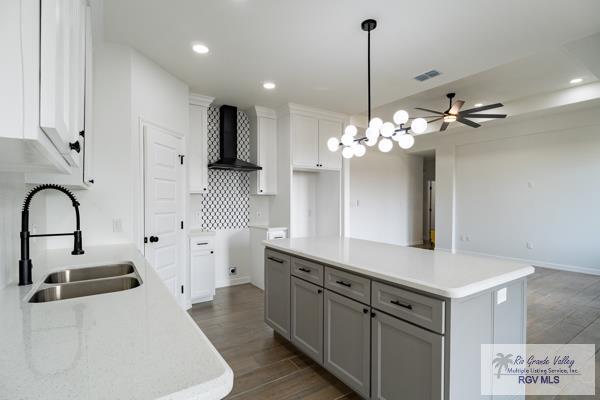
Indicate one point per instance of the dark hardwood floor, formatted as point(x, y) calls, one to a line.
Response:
point(563, 307)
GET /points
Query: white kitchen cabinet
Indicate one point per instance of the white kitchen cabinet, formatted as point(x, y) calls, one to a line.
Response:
point(305, 141)
point(198, 143)
point(309, 142)
point(41, 79)
point(263, 150)
point(80, 176)
point(328, 159)
point(202, 269)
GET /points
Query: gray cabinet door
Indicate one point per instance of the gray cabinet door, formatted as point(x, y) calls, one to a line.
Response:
point(307, 318)
point(277, 292)
point(347, 341)
point(407, 361)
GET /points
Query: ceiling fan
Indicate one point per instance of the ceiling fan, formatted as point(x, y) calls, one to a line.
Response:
point(453, 113)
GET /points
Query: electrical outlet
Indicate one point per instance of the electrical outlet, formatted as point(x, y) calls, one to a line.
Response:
point(232, 270)
point(117, 225)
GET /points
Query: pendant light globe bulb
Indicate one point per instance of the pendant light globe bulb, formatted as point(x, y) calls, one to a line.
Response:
point(372, 133)
point(385, 145)
point(376, 123)
point(419, 125)
point(347, 140)
point(406, 141)
point(350, 130)
point(347, 152)
point(400, 117)
point(333, 144)
point(387, 129)
point(372, 141)
point(359, 150)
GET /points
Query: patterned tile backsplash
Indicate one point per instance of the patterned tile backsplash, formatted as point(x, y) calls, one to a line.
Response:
point(226, 205)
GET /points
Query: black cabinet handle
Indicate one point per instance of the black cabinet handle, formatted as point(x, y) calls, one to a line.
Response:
point(304, 270)
point(373, 315)
point(153, 239)
point(365, 310)
point(405, 305)
point(201, 243)
point(75, 146)
point(91, 181)
point(343, 283)
point(277, 260)
point(319, 291)
point(212, 252)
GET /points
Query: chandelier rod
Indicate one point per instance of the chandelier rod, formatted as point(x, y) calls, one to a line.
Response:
point(369, 70)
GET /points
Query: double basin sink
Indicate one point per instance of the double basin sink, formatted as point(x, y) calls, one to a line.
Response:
point(81, 282)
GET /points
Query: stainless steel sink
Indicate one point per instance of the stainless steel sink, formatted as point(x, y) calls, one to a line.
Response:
point(82, 289)
point(85, 274)
point(80, 282)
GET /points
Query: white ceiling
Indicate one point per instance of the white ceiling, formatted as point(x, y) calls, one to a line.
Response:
point(315, 50)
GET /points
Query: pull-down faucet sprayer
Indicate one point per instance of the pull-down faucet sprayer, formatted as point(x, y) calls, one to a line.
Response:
point(25, 265)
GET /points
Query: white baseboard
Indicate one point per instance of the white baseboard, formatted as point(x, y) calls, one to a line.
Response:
point(537, 263)
point(240, 280)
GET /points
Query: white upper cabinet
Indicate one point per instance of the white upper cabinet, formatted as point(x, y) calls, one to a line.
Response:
point(263, 150)
point(80, 174)
point(62, 74)
point(309, 142)
point(305, 141)
point(43, 75)
point(328, 159)
point(197, 146)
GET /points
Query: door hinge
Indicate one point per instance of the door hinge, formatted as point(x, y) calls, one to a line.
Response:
point(181, 224)
point(181, 289)
point(181, 158)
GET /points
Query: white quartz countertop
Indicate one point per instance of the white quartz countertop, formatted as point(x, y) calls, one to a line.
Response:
point(437, 272)
point(133, 344)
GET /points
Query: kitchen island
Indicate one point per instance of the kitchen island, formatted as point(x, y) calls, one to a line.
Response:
point(394, 322)
point(131, 344)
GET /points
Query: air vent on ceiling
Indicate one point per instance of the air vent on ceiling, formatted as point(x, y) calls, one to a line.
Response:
point(427, 75)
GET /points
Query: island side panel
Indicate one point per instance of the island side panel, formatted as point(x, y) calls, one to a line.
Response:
point(477, 320)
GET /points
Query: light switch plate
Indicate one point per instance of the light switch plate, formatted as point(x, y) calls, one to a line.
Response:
point(501, 296)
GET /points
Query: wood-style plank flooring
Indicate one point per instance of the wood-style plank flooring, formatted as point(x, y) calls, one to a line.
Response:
point(563, 307)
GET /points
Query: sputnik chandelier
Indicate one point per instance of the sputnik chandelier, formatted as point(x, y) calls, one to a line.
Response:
point(381, 133)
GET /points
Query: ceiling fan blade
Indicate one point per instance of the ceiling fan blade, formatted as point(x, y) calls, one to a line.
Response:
point(431, 111)
point(468, 122)
point(444, 126)
point(482, 108)
point(483, 115)
point(456, 107)
point(434, 120)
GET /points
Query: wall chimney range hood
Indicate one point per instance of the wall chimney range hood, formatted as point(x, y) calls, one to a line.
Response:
point(228, 143)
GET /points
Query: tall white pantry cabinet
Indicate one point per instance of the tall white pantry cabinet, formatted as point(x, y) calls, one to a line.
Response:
point(46, 84)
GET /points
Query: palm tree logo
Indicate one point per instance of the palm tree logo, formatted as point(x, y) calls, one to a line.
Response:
point(502, 361)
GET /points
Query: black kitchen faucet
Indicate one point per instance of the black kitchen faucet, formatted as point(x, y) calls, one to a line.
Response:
point(25, 265)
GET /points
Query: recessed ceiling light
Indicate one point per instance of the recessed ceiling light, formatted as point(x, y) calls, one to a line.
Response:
point(269, 85)
point(576, 80)
point(200, 48)
point(478, 104)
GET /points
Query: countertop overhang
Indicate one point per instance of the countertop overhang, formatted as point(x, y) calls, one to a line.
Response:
point(437, 272)
point(134, 344)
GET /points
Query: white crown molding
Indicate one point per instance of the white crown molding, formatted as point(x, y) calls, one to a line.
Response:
point(201, 100)
point(262, 112)
point(293, 108)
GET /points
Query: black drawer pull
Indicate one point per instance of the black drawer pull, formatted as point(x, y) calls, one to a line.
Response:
point(397, 303)
point(277, 260)
point(343, 283)
point(304, 270)
point(319, 291)
point(201, 244)
point(365, 310)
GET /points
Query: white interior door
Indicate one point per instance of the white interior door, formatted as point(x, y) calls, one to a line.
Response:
point(163, 206)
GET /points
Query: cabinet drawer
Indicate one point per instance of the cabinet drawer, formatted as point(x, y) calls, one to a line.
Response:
point(353, 286)
point(418, 309)
point(202, 243)
point(307, 270)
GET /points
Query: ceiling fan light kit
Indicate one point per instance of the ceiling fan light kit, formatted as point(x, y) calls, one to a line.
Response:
point(386, 133)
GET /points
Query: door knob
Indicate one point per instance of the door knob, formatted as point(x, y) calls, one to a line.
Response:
point(153, 239)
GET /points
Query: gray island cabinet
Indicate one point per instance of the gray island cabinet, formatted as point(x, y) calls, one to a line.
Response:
point(393, 322)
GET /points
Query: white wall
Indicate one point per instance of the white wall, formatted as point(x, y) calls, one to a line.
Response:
point(386, 198)
point(542, 189)
point(484, 202)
